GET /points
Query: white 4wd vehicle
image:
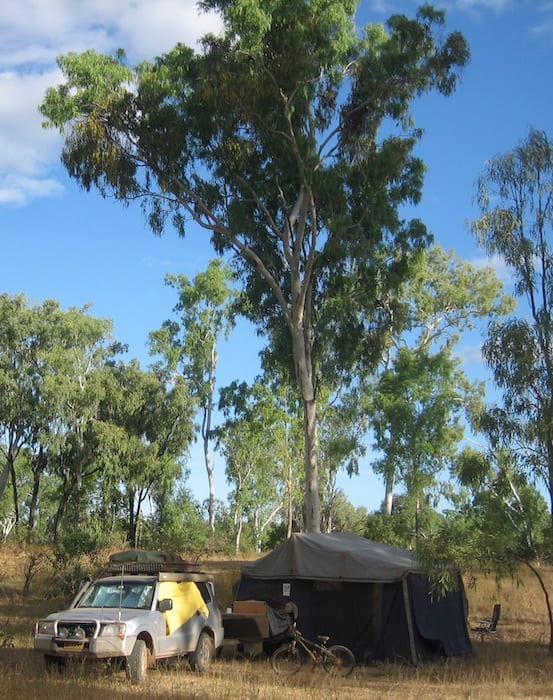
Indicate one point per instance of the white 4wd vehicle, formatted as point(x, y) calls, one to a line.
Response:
point(142, 611)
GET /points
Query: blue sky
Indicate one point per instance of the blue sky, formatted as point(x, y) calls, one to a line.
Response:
point(58, 242)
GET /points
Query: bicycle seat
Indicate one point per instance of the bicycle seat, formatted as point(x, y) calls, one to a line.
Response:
point(323, 639)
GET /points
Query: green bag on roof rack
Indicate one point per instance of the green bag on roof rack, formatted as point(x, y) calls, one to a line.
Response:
point(143, 556)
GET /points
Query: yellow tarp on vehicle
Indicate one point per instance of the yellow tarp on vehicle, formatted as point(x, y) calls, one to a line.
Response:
point(187, 601)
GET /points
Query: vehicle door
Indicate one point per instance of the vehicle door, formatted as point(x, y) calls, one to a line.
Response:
point(186, 619)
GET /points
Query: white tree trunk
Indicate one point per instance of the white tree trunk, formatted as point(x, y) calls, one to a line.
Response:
point(304, 372)
point(389, 494)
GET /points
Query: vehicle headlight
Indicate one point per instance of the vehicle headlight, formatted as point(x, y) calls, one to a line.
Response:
point(46, 627)
point(114, 629)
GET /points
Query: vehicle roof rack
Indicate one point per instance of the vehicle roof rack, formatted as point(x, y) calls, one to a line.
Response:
point(138, 561)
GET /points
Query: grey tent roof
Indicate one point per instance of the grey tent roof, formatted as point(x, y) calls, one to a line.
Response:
point(338, 556)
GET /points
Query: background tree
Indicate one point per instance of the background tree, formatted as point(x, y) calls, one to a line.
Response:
point(342, 432)
point(70, 392)
point(260, 439)
point(289, 173)
point(178, 524)
point(515, 196)
point(417, 423)
point(206, 310)
point(144, 429)
point(18, 379)
point(48, 358)
point(86, 439)
point(416, 401)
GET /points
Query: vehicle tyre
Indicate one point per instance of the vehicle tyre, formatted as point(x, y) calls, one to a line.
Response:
point(200, 660)
point(286, 661)
point(137, 662)
point(54, 664)
point(339, 661)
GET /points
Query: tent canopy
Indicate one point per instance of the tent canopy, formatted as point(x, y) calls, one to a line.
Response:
point(371, 597)
point(339, 556)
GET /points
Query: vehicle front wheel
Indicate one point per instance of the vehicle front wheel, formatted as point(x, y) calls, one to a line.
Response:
point(54, 664)
point(137, 662)
point(200, 660)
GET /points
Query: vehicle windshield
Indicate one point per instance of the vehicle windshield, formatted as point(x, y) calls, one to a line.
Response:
point(124, 594)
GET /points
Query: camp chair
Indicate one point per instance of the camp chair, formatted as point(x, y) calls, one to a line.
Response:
point(488, 625)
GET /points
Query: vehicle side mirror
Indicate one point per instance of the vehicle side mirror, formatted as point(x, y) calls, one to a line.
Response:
point(165, 605)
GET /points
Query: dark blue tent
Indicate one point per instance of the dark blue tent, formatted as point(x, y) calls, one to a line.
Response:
point(371, 597)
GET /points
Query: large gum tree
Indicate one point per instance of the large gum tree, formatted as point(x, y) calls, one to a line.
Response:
point(269, 138)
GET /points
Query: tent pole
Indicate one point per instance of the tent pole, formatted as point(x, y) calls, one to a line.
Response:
point(409, 617)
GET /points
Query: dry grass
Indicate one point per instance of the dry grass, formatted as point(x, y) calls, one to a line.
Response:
point(516, 664)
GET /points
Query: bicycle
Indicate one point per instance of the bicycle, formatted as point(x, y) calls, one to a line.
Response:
point(337, 660)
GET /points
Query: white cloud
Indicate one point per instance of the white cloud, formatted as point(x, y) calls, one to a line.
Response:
point(494, 5)
point(30, 30)
point(34, 32)
point(174, 21)
point(28, 153)
point(391, 6)
point(25, 147)
point(542, 9)
point(17, 189)
point(381, 6)
point(543, 27)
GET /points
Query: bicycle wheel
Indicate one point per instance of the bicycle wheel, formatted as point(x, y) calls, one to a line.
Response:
point(286, 661)
point(339, 661)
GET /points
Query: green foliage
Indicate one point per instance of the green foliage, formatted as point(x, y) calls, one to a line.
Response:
point(381, 527)
point(275, 535)
point(418, 401)
point(145, 429)
point(409, 522)
point(417, 405)
point(178, 526)
point(85, 538)
point(48, 364)
point(514, 196)
point(94, 78)
point(499, 520)
point(205, 315)
point(84, 439)
point(446, 296)
point(261, 442)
